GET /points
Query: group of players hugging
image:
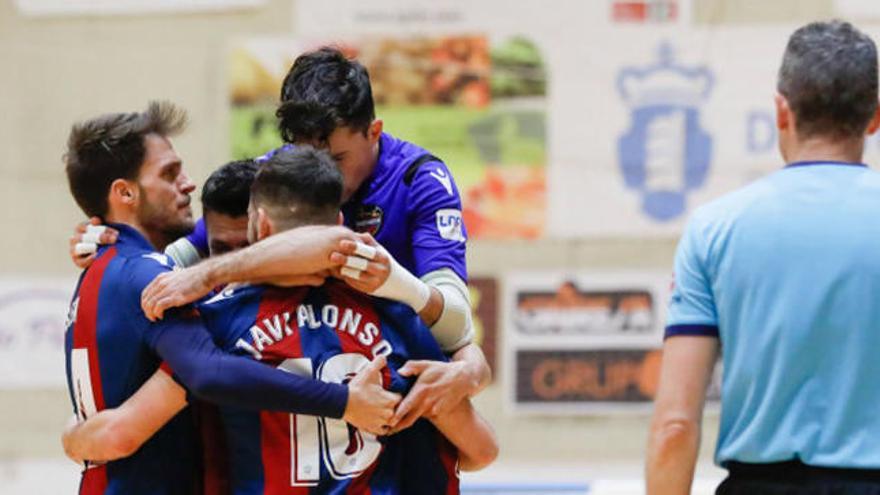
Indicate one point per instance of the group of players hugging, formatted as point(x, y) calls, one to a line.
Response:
point(310, 334)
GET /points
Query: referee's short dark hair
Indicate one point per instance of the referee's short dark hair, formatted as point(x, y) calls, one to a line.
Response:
point(829, 78)
point(228, 189)
point(299, 186)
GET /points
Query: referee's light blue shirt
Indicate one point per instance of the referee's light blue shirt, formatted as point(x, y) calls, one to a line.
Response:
point(786, 272)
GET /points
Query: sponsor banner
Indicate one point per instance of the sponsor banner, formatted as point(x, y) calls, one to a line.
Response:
point(484, 302)
point(587, 376)
point(33, 315)
point(584, 343)
point(127, 7)
point(475, 100)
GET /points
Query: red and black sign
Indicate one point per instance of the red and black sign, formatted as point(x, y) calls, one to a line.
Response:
point(587, 376)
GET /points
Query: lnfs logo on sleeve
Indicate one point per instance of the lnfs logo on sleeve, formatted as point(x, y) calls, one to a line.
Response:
point(450, 224)
point(665, 153)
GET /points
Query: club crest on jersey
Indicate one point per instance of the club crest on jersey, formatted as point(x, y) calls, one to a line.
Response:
point(665, 153)
point(368, 219)
point(450, 225)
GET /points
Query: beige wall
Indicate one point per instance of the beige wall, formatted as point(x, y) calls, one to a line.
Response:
point(58, 70)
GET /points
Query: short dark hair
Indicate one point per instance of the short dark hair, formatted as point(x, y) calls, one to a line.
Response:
point(829, 77)
point(228, 189)
point(111, 147)
point(299, 186)
point(322, 91)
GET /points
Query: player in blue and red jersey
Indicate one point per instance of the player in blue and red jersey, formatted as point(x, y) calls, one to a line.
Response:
point(329, 332)
point(122, 168)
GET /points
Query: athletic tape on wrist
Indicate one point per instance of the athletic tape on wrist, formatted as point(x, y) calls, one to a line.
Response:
point(403, 286)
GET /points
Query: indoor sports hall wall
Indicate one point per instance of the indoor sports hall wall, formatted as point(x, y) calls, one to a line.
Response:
point(581, 134)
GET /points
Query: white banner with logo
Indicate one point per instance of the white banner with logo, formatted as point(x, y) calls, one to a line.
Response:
point(33, 313)
point(648, 115)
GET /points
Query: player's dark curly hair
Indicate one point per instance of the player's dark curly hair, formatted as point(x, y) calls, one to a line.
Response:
point(829, 78)
point(228, 189)
point(111, 147)
point(322, 91)
point(299, 186)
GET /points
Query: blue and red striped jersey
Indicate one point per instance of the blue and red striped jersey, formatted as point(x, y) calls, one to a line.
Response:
point(108, 359)
point(327, 333)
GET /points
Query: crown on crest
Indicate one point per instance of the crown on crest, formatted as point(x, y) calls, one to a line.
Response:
point(665, 82)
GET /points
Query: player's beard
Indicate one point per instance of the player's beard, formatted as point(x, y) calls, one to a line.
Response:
point(166, 220)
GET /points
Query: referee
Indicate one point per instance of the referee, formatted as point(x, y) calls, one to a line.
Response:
point(783, 277)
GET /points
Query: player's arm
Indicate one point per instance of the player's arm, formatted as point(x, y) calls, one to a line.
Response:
point(116, 433)
point(470, 433)
point(87, 236)
point(297, 257)
point(367, 266)
point(689, 353)
point(214, 376)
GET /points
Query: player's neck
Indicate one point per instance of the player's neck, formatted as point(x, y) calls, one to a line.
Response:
point(157, 239)
point(825, 150)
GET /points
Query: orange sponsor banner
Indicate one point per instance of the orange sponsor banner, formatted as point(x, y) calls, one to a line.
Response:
point(587, 376)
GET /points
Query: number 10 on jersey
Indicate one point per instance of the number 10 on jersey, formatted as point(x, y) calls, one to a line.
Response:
point(346, 452)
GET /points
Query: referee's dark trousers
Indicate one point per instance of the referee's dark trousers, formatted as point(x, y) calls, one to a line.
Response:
point(796, 478)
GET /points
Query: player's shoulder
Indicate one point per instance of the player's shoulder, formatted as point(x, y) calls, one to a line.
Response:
point(417, 167)
point(136, 269)
point(231, 296)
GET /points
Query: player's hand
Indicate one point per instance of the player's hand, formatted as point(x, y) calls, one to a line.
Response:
point(66, 442)
point(370, 407)
point(439, 388)
point(85, 240)
point(173, 290)
point(363, 269)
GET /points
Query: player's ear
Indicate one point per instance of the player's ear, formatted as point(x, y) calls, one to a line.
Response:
point(784, 117)
point(123, 192)
point(264, 224)
point(874, 124)
point(375, 131)
point(340, 218)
